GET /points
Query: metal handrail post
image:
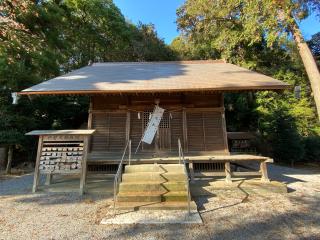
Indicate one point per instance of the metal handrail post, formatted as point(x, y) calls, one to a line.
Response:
point(129, 152)
point(118, 176)
point(181, 156)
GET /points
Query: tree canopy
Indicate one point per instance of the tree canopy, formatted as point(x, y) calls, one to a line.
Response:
point(43, 39)
point(258, 35)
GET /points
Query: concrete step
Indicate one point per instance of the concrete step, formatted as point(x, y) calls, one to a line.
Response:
point(150, 176)
point(172, 167)
point(142, 168)
point(154, 168)
point(133, 206)
point(175, 186)
point(139, 197)
point(150, 186)
point(175, 196)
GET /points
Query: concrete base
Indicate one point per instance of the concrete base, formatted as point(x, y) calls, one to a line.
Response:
point(154, 217)
point(156, 206)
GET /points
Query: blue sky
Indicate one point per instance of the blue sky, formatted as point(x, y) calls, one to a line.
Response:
point(162, 13)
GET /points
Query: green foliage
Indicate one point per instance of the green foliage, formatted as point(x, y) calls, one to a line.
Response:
point(314, 45)
point(40, 40)
point(188, 50)
point(256, 35)
point(229, 26)
point(312, 148)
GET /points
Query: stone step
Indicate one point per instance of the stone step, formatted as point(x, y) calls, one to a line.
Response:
point(150, 176)
point(175, 185)
point(134, 206)
point(172, 196)
point(172, 167)
point(175, 196)
point(142, 168)
point(152, 186)
point(139, 197)
point(154, 168)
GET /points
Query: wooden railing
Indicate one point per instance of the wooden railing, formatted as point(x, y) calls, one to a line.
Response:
point(118, 176)
point(182, 159)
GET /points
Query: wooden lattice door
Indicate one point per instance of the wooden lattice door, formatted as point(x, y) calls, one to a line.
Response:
point(162, 141)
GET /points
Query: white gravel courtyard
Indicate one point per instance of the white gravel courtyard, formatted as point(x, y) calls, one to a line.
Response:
point(227, 214)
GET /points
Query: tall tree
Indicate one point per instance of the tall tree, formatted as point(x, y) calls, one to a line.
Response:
point(229, 25)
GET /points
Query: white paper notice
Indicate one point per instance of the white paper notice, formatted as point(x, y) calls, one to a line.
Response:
point(153, 125)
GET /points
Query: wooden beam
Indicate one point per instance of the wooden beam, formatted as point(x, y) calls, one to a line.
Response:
point(239, 174)
point(224, 127)
point(228, 172)
point(36, 168)
point(191, 169)
point(48, 179)
point(210, 109)
point(209, 174)
point(264, 172)
point(128, 120)
point(83, 177)
point(90, 116)
point(185, 129)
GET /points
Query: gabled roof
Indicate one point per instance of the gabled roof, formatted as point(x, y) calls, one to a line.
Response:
point(132, 77)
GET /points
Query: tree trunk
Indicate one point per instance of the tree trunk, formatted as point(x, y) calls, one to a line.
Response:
point(309, 64)
point(3, 157)
point(10, 153)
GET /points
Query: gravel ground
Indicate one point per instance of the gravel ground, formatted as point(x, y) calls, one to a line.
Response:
point(226, 214)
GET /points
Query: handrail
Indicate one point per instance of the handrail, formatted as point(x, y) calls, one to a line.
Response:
point(118, 176)
point(181, 157)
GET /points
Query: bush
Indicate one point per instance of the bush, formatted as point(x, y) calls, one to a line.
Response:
point(312, 148)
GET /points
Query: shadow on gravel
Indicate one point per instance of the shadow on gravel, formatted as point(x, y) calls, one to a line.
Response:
point(59, 198)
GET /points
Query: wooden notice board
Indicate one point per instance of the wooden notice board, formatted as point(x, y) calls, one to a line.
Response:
point(61, 152)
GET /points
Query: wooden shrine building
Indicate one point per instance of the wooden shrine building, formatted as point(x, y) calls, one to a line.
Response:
point(123, 96)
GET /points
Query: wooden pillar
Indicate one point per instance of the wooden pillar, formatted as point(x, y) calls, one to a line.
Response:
point(191, 169)
point(48, 179)
point(90, 116)
point(36, 169)
point(224, 126)
point(128, 120)
point(227, 170)
point(185, 130)
point(264, 172)
point(83, 177)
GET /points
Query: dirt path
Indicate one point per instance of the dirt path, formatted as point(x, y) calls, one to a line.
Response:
point(226, 215)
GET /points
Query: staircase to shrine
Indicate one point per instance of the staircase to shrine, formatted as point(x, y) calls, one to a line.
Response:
point(154, 186)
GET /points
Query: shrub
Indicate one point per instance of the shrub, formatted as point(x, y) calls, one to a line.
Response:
point(312, 148)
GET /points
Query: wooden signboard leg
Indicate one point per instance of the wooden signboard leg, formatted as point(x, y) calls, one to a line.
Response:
point(48, 179)
point(264, 172)
point(83, 177)
point(191, 171)
point(36, 169)
point(228, 172)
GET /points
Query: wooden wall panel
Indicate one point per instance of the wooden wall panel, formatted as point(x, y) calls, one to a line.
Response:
point(176, 130)
point(205, 132)
point(110, 132)
point(195, 132)
point(99, 139)
point(214, 140)
point(203, 122)
point(117, 132)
